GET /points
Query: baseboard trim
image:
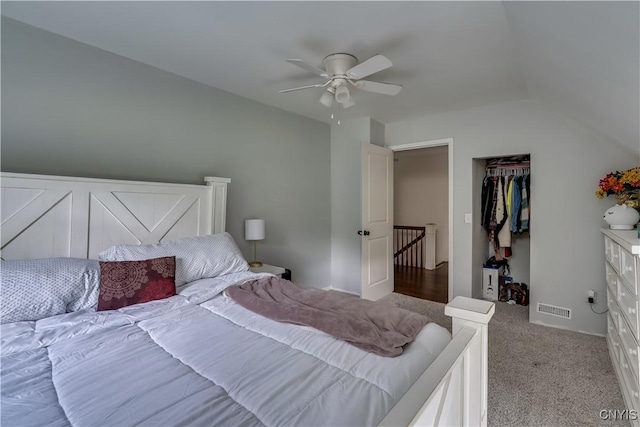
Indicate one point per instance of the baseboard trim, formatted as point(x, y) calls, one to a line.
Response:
point(549, 325)
point(333, 288)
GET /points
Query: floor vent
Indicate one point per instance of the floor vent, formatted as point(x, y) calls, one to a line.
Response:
point(552, 310)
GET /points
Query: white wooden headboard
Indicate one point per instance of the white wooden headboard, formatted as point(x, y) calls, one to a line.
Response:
point(55, 216)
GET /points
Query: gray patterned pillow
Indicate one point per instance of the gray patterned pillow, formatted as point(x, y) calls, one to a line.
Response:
point(196, 257)
point(32, 289)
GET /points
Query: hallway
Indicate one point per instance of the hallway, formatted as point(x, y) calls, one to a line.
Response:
point(421, 283)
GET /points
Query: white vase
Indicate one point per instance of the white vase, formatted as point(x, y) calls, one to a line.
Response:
point(621, 217)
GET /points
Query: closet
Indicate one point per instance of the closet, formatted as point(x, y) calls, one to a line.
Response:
point(504, 221)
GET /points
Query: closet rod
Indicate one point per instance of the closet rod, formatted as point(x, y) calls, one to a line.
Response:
point(508, 171)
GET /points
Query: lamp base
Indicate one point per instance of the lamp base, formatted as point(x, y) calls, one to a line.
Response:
point(255, 264)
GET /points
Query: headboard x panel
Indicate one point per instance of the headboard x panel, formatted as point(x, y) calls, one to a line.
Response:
point(54, 216)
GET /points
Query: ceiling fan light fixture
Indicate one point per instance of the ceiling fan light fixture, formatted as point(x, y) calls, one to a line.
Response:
point(342, 70)
point(327, 97)
point(342, 94)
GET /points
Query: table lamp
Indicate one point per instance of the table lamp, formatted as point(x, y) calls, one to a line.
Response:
point(254, 230)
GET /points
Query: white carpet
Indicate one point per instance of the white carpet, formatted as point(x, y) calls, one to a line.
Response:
point(539, 376)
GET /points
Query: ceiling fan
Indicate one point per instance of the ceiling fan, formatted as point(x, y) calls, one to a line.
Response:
point(342, 70)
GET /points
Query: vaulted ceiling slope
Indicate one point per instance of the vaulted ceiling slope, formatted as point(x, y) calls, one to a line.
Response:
point(581, 58)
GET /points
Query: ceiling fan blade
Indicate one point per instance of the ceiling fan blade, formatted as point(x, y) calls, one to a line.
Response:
point(303, 87)
point(305, 65)
point(368, 67)
point(377, 87)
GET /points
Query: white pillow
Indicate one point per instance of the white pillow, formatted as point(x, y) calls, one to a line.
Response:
point(196, 257)
point(32, 289)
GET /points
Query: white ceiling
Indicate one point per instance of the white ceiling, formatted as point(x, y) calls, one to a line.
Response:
point(582, 58)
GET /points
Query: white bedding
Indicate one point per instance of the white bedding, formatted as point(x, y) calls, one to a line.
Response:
point(197, 359)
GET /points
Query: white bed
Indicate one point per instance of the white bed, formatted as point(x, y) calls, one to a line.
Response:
point(198, 358)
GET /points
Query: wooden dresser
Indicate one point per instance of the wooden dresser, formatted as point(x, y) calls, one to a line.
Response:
point(622, 254)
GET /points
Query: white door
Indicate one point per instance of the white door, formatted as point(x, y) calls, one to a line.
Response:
point(377, 221)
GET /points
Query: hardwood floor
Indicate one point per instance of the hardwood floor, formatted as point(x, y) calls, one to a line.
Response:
point(421, 283)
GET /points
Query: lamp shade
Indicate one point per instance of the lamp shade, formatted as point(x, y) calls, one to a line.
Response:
point(350, 103)
point(254, 229)
point(327, 98)
point(342, 94)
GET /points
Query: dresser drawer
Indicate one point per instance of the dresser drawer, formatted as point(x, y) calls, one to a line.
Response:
point(612, 253)
point(629, 347)
point(612, 281)
point(628, 307)
point(630, 382)
point(628, 270)
point(614, 313)
point(614, 346)
point(612, 327)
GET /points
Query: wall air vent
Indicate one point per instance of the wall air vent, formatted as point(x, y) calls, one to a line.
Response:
point(552, 310)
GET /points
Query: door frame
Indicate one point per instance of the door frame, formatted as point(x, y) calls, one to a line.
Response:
point(438, 143)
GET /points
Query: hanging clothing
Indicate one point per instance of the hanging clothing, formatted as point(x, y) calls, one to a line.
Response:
point(487, 202)
point(505, 210)
point(510, 195)
point(501, 208)
point(504, 235)
point(515, 204)
point(494, 211)
point(524, 210)
point(506, 199)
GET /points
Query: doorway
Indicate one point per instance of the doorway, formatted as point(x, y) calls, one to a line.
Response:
point(422, 211)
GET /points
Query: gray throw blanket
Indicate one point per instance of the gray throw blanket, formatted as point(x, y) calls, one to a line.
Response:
point(376, 327)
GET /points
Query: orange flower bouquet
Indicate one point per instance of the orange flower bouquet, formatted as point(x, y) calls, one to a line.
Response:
point(623, 185)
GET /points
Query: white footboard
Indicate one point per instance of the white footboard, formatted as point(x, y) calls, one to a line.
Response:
point(453, 390)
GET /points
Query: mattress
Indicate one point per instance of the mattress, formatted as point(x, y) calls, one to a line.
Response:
point(197, 358)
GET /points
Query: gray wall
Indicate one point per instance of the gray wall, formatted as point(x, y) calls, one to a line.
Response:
point(346, 199)
point(567, 161)
point(72, 109)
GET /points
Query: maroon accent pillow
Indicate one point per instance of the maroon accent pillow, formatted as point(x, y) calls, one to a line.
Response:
point(124, 283)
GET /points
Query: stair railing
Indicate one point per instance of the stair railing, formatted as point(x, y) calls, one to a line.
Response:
point(409, 243)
